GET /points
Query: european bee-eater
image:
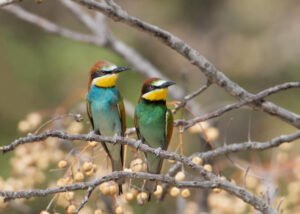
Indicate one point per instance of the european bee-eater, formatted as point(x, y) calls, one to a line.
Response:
point(106, 110)
point(154, 123)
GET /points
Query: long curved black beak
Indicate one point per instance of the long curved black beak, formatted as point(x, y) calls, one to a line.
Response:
point(120, 69)
point(167, 84)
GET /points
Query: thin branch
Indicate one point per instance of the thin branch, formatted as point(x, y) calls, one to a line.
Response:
point(50, 27)
point(10, 195)
point(192, 96)
point(254, 98)
point(209, 70)
point(248, 146)
point(86, 198)
point(4, 3)
point(245, 176)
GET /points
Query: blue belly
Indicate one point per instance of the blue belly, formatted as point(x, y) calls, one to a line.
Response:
point(104, 110)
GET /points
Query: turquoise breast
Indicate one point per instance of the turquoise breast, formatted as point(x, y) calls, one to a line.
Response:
point(104, 110)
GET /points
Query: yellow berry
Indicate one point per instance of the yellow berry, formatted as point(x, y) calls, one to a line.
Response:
point(217, 190)
point(71, 209)
point(113, 188)
point(180, 176)
point(34, 119)
point(87, 166)
point(212, 133)
point(171, 161)
point(142, 198)
point(197, 160)
point(104, 188)
point(208, 167)
point(93, 143)
point(90, 173)
point(61, 182)
point(185, 193)
point(174, 192)
point(62, 164)
point(44, 212)
point(134, 191)
point(69, 196)
point(129, 196)
point(24, 126)
point(79, 177)
point(127, 170)
point(158, 190)
point(98, 211)
point(119, 210)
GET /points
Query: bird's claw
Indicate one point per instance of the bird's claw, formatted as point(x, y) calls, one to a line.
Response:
point(115, 139)
point(157, 151)
point(138, 145)
point(91, 134)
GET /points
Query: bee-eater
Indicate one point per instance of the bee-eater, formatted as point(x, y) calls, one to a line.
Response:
point(154, 123)
point(106, 110)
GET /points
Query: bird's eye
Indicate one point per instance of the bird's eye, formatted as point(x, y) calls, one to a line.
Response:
point(151, 87)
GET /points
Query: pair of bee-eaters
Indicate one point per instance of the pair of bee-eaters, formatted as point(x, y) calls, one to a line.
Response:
point(153, 120)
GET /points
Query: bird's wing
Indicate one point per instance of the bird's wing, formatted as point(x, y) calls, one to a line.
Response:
point(88, 109)
point(122, 113)
point(169, 126)
point(137, 126)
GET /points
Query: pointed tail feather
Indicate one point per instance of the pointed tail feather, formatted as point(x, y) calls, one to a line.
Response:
point(118, 166)
point(150, 187)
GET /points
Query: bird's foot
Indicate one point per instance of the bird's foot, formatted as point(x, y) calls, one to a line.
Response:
point(91, 134)
point(157, 151)
point(115, 139)
point(138, 145)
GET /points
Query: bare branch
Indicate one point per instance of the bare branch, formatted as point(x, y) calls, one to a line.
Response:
point(254, 98)
point(192, 96)
point(9, 195)
point(237, 191)
point(86, 198)
point(210, 71)
point(4, 3)
point(50, 27)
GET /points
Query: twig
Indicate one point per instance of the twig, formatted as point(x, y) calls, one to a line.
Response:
point(4, 3)
point(192, 96)
point(209, 70)
point(254, 98)
point(86, 198)
point(245, 176)
point(50, 27)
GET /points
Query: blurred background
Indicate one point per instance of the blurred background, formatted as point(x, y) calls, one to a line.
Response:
point(255, 43)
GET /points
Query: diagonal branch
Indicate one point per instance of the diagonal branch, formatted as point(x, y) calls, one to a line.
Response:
point(255, 98)
point(209, 70)
point(4, 3)
point(10, 195)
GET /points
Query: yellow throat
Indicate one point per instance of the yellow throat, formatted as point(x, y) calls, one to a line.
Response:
point(106, 81)
point(159, 94)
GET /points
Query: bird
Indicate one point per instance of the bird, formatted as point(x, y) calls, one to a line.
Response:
point(106, 110)
point(154, 124)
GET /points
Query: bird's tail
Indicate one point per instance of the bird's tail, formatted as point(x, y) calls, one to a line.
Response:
point(150, 187)
point(154, 165)
point(117, 165)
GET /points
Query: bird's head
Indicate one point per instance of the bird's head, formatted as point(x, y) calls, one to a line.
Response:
point(155, 89)
point(104, 74)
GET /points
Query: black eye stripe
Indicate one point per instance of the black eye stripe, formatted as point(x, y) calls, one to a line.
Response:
point(99, 74)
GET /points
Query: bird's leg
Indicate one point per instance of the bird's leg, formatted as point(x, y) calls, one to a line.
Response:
point(157, 151)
